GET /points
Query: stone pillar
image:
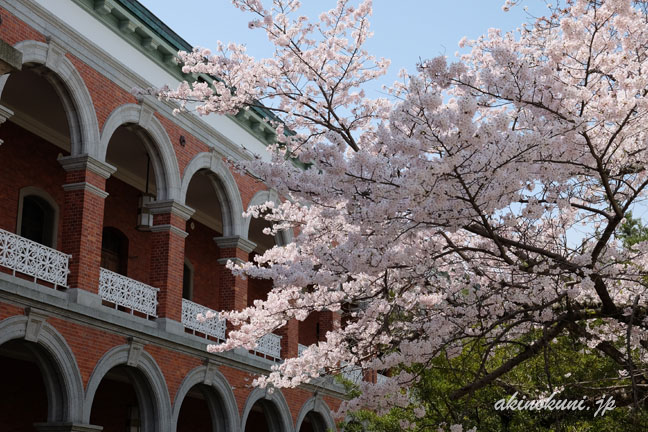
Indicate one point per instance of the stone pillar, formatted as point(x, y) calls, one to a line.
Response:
point(83, 212)
point(289, 339)
point(167, 258)
point(233, 290)
point(327, 321)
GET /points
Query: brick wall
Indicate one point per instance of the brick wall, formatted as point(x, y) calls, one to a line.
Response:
point(28, 160)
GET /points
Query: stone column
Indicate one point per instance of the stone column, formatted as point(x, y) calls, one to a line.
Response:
point(83, 212)
point(167, 259)
point(233, 290)
point(289, 339)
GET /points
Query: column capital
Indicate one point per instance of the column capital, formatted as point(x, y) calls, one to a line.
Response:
point(171, 206)
point(87, 162)
point(237, 242)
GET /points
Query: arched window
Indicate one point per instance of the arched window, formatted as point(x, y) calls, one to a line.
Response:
point(114, 251)
point(187, 280)
point(37, 216)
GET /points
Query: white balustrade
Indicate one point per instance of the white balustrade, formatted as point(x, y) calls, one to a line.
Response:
point(128, 293)
point(352, 373)
point(300, 349)
point(270, 346)
point(33, 259)
point(211, 327)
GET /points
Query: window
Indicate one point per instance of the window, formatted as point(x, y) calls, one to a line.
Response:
point(37, 216)
point(114, 251)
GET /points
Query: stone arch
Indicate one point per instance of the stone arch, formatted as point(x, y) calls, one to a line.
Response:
point(259, 198)
point(223, 396)
point(150, 386)
point(71, 89)
point(316, 404)
point(226, 190)
point(283, 422)
point(157, 144)
point(60, 372)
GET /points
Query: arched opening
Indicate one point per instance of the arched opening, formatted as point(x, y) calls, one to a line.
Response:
point(202, 410)
point(264, 417)
point(31, 387)
point(130, 188)
point(313, 422)
point(206, 196)
point(123, 402)
point(41, 129)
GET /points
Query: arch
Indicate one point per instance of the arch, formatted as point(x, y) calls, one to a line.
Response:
point(151, 378)
point(156, 141)
point(259, 198)
point(283, 423)
point(59, 366)
point(40, 193)
point(316, 404)
point(68, 84)
point(226, 190)
point(229, 417)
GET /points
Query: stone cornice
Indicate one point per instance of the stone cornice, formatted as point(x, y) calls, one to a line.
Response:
point(161, 45)
point(171, 206)
point(77, 163)
point(235, 242)
point(85, 186)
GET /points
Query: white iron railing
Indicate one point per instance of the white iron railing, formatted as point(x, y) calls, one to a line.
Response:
point(300, 349)
point(381, 379)
point(352, 373)
point(33, 259)
point(128, 293)
point(270, 346)
point(211, 327)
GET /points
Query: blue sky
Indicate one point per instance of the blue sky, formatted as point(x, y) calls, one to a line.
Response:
point(404, 30)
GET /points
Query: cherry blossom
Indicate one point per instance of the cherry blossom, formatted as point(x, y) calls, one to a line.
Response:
point(481, 201)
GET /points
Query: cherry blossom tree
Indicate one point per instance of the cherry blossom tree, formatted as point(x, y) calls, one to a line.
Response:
point(478, 206)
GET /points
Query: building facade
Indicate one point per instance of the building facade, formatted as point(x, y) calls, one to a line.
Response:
point(116, 221)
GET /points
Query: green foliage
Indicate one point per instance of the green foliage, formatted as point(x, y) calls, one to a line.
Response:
point(566, 367)
point(632, 231)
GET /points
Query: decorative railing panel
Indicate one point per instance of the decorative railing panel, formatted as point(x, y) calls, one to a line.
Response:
point(211, 327)
point(300, 349)
point(352, 373)
point(270, 346)
point(128, 293)
point(33, 259)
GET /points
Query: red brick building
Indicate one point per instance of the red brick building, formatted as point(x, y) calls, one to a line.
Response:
point(116, 221)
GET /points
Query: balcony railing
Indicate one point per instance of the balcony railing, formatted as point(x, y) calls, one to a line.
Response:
point(128, 293)
point(269, 346)
point(352, 373)
point(300, 349)
point(381, 379)
point(211, 327)
point(33, 259)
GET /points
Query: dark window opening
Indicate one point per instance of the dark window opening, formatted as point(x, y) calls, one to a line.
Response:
point(187, 279)
point(114, 251)
point(37, 222)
